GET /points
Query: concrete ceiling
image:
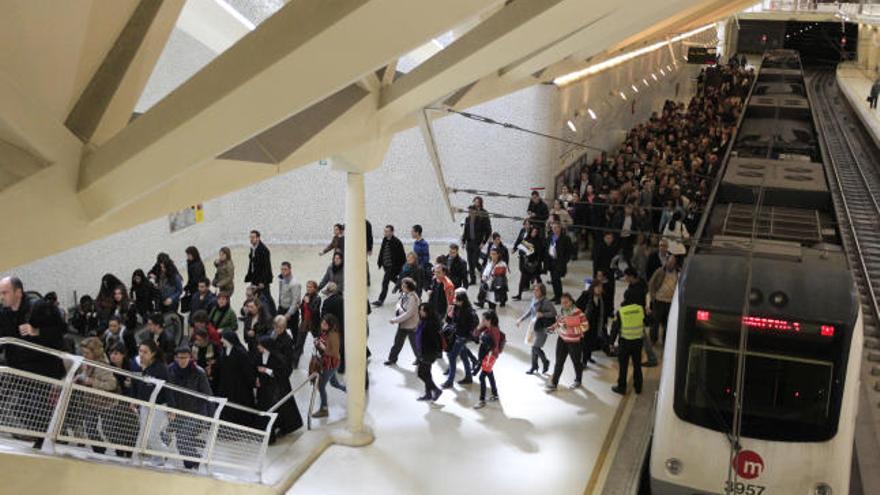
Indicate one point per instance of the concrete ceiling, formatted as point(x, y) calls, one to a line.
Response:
point(293, 83)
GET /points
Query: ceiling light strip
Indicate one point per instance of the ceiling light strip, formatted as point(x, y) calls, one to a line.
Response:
point(614, 61)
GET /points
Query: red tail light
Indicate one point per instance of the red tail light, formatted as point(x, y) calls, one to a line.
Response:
point(702, 315)
point(826, 331)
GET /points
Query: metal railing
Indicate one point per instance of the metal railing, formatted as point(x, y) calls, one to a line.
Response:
point(145, 421)
point(811, 6)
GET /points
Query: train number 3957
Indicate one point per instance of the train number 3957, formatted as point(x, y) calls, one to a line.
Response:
point(740, 488)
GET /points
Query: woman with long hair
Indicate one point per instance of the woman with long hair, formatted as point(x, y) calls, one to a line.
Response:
point(143, 294)
point(170, 285)
point(327, 346)
point(224, 277)
point(104, 303)
point(257, 322)
point(195, 269)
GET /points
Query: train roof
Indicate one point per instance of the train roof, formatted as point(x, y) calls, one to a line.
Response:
point(816, 284)
point(773, 186)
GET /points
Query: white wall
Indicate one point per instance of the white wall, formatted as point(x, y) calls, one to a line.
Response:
point(299, 207)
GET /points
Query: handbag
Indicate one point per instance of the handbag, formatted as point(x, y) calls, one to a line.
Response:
point(315, 365)
point(530, 333)
point(488, 363)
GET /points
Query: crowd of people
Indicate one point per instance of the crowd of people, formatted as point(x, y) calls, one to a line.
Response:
point(632, 214)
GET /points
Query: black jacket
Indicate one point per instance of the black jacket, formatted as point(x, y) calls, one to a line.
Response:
point(602, 256)
point(45, 317)
point(482, 230)
point(437, 298)
point(191, 378)
point(398, 256)
point(564, 251)
point(259, 266)
point(636, 293)
point(465, 321)
point(430, 340)
point(458, 270)
point(195, 271)
point(333, 305)
point(540, 212)
point(235, 376)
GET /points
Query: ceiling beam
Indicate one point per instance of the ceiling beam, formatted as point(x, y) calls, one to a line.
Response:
point(86, 114)
point(508, 35)
point(306, 51)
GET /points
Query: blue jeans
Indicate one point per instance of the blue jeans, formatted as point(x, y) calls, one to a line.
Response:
point(328, 376)
point(459, 347)
point(491, 376)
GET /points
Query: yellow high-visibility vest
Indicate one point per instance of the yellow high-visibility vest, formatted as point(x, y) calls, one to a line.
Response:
point(632, 321)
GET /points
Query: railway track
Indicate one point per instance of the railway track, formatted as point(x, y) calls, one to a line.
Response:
point(852, 161)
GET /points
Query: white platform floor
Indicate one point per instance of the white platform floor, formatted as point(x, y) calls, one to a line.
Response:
point(529, 441)
point(855, 84)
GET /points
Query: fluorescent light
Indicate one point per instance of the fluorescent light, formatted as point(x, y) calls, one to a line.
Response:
point(571, 126)
point(614, 61)
point(662, 73)
point(622, 95)
point(633, 86)
point(645, 81)
point(669, 68)
point(654, 76)
point(592, 113)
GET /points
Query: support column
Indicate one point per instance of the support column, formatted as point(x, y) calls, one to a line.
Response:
point(355, 163)
point(355, 299)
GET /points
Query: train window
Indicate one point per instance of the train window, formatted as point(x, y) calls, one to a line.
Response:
point(782, 396)
point(793, 375)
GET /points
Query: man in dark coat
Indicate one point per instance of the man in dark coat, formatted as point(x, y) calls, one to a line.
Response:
point(39, 322)
point(185, 373)
point(477, 230)
point(559, 252)
point(603, 253)
point(456, 267)
point(32, 320)
point(391, 259)
point(538, 211)
point(259, 271)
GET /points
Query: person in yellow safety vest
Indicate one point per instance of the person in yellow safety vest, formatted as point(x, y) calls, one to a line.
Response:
point(632, 326)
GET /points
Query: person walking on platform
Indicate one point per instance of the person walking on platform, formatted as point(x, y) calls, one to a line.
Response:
point(570, 326)
point(544, 314)
point(491, 345)
point(631, 318)
point(429, 350)
point(259, 271)
point(391, 259)
point(477, 230)
point(559, 252)
point(875, 92)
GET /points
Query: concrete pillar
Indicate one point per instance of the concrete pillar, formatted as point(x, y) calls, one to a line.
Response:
point(355, 163)
point(355, 298)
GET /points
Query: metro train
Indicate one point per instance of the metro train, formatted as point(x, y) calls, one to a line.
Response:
point(766, 287)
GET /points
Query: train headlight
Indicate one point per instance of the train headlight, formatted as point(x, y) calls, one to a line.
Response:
point(673, 466)
point(822, 489)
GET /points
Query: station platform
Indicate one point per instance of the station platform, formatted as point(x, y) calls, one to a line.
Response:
point(855, 83)
point(560, 438)
point(567, 438)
